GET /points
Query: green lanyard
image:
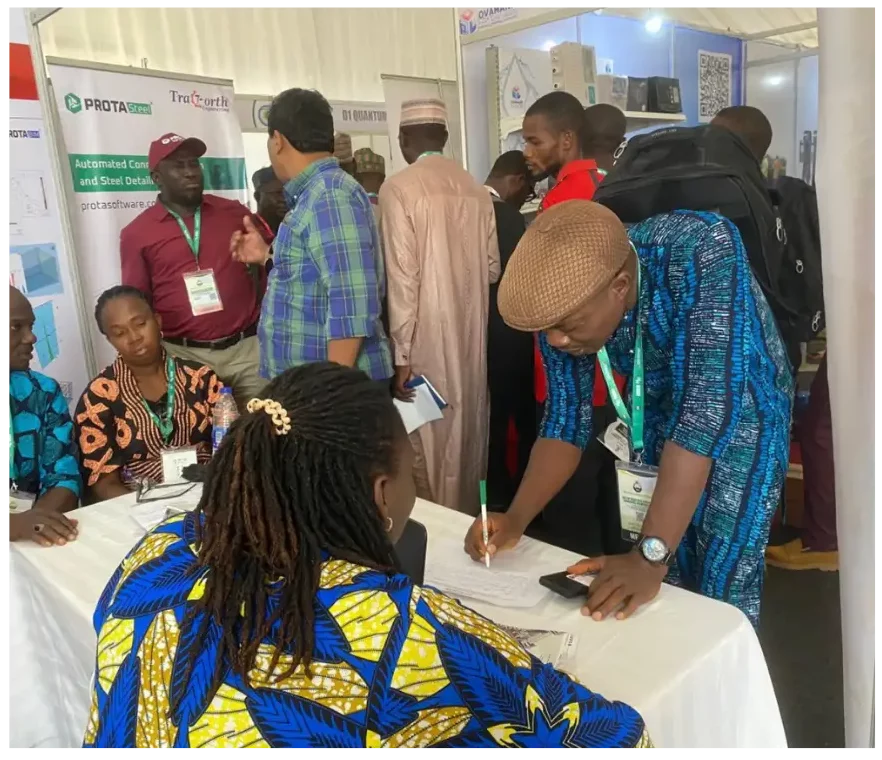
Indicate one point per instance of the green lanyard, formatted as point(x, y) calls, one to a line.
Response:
point(165, 423)
point(430, 153)
point(192, 240)
point(634, 419)
point(13, 470)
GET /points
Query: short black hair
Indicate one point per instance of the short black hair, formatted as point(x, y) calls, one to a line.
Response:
point(605, 127)
point(750, 124)
point(111, 294)
point(304, 118)
point(510, 164)
point(262, 177)
point(563, 111)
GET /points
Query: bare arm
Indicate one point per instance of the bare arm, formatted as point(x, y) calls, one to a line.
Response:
point(565, 431)
point(109, 487)
point(58, 499)
point(682, 477)
point(344, 351)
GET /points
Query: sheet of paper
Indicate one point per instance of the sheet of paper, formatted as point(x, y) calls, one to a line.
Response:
point(149, 515)
point(554, 648)
point(472, 580)
point(420, 410)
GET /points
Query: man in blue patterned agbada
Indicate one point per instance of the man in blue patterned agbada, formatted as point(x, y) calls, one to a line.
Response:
point(674, 307)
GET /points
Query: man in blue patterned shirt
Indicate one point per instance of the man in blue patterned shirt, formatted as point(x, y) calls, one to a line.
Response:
point(675, 297)
point(43, 470)
point(325, 290)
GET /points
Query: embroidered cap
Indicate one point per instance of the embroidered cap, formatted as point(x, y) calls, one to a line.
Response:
point(424, 111)
point(343, 148)
point(569, 254)
point(368, 162)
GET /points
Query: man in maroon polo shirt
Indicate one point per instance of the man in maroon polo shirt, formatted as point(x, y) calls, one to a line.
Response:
point(178, 252)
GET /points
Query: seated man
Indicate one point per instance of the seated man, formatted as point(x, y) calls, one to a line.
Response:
point(43, 472)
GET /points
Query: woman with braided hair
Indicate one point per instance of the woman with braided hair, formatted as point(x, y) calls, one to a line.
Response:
point(276, 614)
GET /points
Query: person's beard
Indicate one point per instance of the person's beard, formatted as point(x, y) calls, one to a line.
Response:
point(551, 171)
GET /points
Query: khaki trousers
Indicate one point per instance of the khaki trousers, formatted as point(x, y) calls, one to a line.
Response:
point(237, 366)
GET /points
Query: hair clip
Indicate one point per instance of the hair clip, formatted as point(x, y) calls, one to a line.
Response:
point(281, 420)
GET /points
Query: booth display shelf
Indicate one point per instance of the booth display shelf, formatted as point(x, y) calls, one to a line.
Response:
point(643, 119)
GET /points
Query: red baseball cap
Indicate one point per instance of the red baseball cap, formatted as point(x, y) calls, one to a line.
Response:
point(167, 144)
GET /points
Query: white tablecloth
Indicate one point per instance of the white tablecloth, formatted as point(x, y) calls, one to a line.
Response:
point(692, 666)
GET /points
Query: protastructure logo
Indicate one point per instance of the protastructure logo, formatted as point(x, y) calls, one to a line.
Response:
point(74, 103)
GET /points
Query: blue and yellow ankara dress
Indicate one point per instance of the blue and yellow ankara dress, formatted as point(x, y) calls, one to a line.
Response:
point(718, 384)
point(394, 665)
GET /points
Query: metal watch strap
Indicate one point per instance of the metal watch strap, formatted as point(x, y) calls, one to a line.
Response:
point(666, 561)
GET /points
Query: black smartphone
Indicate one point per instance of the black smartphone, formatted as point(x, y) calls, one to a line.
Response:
point(564, 585)
point(411, 550)
point(195, 473)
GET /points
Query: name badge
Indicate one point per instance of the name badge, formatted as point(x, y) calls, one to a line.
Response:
point(20, 501)
point(202, 292)
point(174, 461)
point(636, 484)
point(615, 438)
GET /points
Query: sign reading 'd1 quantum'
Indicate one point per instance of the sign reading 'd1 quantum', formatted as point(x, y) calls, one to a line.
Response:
point(349, 117)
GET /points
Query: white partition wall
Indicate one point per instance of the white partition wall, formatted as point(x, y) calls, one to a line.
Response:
point(846, 180)
point(339, 51)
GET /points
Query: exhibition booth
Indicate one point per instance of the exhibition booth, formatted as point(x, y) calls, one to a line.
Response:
point(107, 82)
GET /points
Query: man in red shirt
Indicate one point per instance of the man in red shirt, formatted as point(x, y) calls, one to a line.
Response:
point(583, 517)
point(178, 253)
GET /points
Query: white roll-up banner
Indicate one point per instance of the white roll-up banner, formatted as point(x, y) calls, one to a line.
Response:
point(846, 204)
point(39, 260)
point(108, 119)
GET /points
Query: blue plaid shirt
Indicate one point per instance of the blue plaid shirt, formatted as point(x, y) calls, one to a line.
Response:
point(327, 281)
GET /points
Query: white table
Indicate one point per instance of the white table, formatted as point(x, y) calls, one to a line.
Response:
point(692, 666)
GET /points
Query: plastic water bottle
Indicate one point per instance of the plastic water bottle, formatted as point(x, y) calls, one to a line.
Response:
point(225, 414)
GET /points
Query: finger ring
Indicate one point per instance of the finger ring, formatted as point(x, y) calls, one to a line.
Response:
point(38, 528)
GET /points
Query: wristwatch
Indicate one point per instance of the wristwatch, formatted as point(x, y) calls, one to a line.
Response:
point(655, 551)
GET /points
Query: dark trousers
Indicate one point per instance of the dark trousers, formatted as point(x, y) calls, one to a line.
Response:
point(511, 404)
point(815, 432)
point(584, 516)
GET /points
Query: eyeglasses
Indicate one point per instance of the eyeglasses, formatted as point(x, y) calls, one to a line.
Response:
point(149, 491)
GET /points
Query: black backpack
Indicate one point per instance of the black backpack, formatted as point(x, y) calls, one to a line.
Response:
point(706, 168)
point(801, 280)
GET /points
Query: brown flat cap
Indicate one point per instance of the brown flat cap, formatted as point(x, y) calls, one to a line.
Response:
point(571, 252)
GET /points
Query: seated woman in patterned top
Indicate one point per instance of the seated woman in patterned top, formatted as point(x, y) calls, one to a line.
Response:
point(276, 615)
point(141, 405)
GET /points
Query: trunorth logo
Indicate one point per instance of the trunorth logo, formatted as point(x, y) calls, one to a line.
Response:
point(75, 104)
point(197, 100)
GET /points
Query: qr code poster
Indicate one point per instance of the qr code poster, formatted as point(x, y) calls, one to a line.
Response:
point(714, 84)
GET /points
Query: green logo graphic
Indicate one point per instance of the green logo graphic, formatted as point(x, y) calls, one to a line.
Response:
point(73, 103)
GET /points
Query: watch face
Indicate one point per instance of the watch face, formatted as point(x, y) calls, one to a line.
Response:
point(654, 549)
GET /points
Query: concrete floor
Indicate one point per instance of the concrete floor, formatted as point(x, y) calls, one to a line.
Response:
point(800, 632)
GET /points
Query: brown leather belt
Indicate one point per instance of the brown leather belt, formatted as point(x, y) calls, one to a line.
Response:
point(215, 345)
